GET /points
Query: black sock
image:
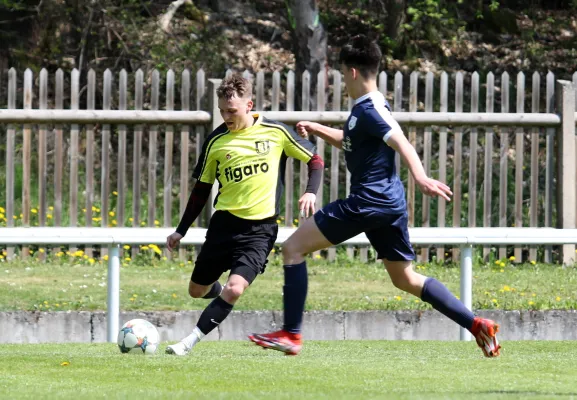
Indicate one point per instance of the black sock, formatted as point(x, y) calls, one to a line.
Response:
point(214, 291)
point(437, 295)
point(213, 315)
point(294, 296)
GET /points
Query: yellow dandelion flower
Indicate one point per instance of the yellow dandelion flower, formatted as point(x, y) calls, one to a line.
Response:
point(30, 251)
point(512, 258)
point(164, 258)
point(115, 193)
point(78, 253)
point(93, 208)
point(128, 259)
point(59, 254)
point(111, 213)
point(522, 294)
point(84, 210)
point(49, 216)
point(174, 295)
point(130, 219)
point(501, 264)
point(41, 250)
point(4, 253)
point(114, 222)
point(14, 217)
point(531, 303)
point(64, 364)
point(132, 299)
point(190, 262)
point(296, 221)
point(398, 298)
point(91, 260)
point(126, 247)
point(318, 257)
point(417, 301)
point(135, 295)
point(143, 223)
point(156, 222)
point(533, 294)
point(85, 257)
point(494, 300)
point(533, 262)
point(506, 288)
point(94, 219)
point(273, 251)
point(144, 247)
point(45, 302)
point(1, 257)
point(181, 264)
point(34, 211)
point(56, 305)
point(97, 210)
point(558, 298)
point(105, 257)
point(2, 210)
point(497, 262)
point(502, 270)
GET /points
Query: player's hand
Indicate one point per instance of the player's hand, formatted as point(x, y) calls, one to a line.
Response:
point(305, 128)
point(173, 240)
point(434, 188)
point(307, 204)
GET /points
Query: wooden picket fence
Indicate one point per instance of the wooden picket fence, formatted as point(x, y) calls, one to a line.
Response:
point(83, 175)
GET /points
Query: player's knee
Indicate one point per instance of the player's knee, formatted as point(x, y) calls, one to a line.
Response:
point(197, 291)
point(232, 291)
point(290, 250)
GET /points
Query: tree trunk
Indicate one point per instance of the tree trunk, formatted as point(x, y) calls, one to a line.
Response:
point(396, 15)
point(309, 43)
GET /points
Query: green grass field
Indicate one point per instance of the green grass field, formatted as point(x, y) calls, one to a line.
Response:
point(324, 370)
point(76, 284)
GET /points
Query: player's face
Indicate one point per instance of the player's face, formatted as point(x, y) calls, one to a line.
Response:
point(235, 112)
point(349, 76)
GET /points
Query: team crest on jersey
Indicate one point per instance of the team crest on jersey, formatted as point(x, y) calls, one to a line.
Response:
point(262, 146)
point(352, 122)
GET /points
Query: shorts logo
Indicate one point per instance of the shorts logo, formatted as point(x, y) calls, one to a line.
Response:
point(262, 146)
point(352, 122)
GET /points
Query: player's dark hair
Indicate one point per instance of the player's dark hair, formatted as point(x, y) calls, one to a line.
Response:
point(361, 53)
point(234, 85)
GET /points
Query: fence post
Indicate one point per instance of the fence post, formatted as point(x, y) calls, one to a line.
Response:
point(113, 311)
point(466, 284)
point(566, 181)
point(217, 120)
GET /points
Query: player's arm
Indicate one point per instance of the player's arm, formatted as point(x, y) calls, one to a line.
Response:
point(330, 135)
point(205, 174)
point(302, 149)
point(380, 123)
point(428, 186)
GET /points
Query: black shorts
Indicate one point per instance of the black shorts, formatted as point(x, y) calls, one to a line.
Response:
point(236, 244)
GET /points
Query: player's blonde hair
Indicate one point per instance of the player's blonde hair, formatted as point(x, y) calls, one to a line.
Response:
point(234, 85)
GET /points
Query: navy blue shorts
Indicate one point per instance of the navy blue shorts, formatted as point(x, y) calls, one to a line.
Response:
point(388, 233)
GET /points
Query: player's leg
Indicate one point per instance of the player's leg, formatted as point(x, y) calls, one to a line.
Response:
point(215, 257)
point(331, 225)
point(393, 246)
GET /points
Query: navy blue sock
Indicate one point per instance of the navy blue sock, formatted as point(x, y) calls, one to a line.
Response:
point(213, 315)
point(437, 295)
point(294, 296)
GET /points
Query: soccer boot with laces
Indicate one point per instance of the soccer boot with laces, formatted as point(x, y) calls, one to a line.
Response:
point(485, 333)
point(289, 343)
point(178, 349)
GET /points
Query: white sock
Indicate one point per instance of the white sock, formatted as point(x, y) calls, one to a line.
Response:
point(193, 338)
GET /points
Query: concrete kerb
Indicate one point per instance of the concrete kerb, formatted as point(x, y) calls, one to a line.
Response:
point(90, 327)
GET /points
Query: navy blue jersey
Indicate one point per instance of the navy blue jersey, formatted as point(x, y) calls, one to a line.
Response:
point(370, 160)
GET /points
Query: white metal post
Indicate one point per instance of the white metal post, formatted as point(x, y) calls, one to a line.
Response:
point(466, 284)
point(113, 293)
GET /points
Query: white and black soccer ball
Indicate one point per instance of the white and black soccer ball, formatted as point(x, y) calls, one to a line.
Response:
point(138, 336)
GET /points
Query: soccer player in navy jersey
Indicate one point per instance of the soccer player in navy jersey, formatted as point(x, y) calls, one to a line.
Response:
point(376, 206)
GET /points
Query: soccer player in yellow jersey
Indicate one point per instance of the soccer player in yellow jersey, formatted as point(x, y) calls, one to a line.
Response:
point(247, 155)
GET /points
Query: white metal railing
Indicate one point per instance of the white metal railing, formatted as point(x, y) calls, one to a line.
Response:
point(466, 238)
point(31, 116)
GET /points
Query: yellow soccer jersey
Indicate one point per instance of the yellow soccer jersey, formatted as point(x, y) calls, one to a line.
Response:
point(250, 165)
